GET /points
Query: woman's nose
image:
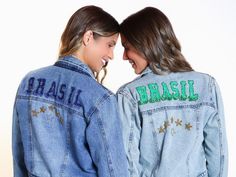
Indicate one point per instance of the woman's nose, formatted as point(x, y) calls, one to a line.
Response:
point(110, 54)
point(125, 57)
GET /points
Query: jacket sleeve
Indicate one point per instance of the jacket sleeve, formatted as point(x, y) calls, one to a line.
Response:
point(104, 138)
point(215, 141)
point(131, 128)
point(19, 168)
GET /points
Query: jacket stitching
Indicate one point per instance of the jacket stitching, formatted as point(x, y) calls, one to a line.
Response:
point(126, 95)
point(99, 102)
point(30, 139)
point(100, 123)
point(195, 106)
point(71, 110)
point(71, 67)
point(63, 166)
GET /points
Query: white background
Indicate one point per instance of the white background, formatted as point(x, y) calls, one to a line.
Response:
point(30, 33)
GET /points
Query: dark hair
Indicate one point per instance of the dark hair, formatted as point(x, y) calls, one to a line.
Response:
point(150, 32)
point(86, 18)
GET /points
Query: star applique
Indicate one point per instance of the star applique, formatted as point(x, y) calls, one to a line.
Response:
point(161, 130)
point(51, 108)
point(42, 109)
point(178, 122)
point(34, 113)
point(166, 124)
point(57, 114)
point(61, 120)
point(188, 126)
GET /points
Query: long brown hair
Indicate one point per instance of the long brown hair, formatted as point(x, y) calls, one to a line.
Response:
point(86, 18)
point(150, 32)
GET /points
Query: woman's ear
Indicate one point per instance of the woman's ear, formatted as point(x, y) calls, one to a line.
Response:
point(88, 36)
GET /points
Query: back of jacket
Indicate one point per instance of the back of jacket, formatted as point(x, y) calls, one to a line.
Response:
point(173, 125)
point(65, 124)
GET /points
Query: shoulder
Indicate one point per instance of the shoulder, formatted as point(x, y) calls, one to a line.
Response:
point(59, 85)
point(127, 87)
point(30, 76)
point(128, 91)
point(204, 80)
point(199, 75)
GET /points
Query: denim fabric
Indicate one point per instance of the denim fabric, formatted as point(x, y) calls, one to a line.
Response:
point(65, 124)
point(173, 125)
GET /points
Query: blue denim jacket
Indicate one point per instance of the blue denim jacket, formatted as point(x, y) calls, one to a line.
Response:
point(173, 125)
point(65, 124)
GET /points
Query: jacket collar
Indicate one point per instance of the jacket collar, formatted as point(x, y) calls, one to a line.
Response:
point(75, 64)
point(146, 71)
point(149, 70)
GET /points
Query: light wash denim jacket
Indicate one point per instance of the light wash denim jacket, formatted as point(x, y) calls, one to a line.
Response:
point(65, 124)
point(173, 125)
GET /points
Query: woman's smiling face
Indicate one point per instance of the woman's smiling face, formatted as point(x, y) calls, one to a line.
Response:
point(99, 51)
point(135, 59)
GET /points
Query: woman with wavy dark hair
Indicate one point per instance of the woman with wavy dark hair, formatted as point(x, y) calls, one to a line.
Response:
point(65, 123)
point(172, 116)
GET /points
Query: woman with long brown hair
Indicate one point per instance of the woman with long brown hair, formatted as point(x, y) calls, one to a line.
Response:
point(65, 123)
point(172, 116)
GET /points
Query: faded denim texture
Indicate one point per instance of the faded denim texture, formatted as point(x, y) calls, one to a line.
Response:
point(173, 125)
point(65, 124)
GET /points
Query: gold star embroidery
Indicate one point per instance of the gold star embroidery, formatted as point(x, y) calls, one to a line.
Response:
point(188, 126)
point(178, 122)
point(34, 113)
point(61, 120)
point(42, 109)
point(166, 124)
point(57, 114)
point(161, 130)
point(51, 108)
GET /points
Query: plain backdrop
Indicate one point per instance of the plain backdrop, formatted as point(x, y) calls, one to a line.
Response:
point(30, 34)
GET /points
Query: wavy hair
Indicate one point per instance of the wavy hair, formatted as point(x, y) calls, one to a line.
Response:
point(87, 18)
point(150, 32)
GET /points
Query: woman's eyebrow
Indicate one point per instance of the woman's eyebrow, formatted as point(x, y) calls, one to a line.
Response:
point(113, 42)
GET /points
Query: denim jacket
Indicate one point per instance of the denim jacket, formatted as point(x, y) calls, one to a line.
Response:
point(173, 125)
point(65, 124)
